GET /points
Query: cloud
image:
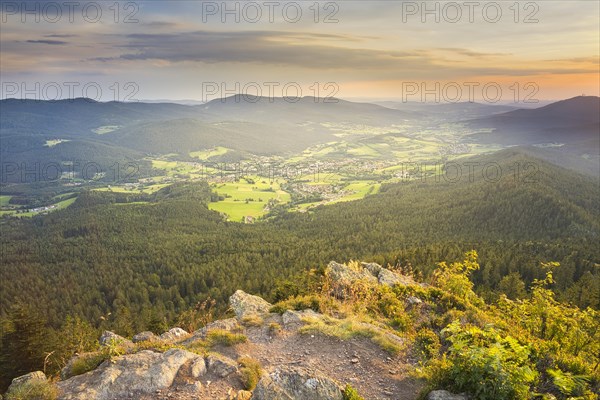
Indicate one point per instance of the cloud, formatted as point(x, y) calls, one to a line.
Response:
point(51, 42)
point(319, 51)
point(470, 53)
point(56, 35)
point(306, 50)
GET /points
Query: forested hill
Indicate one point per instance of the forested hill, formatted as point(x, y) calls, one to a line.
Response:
point(146, 258)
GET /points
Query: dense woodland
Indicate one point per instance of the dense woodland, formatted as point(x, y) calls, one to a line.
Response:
point(136, 262)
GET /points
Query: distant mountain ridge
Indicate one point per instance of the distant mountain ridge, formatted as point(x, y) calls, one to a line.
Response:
point(572, 119)
point(113, 131)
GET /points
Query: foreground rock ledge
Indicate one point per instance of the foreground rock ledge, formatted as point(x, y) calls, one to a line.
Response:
point(296, 384)
point(143, 372)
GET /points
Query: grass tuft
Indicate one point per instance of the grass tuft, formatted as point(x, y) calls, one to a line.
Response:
point(250, 371)
point(224, 338)
point(33, 390)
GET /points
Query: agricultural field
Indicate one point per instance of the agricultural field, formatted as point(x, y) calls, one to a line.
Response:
point(148, 189)
point(358, 190)
point(208, 154)
point(247, 197)
point(4, 200)
point(50, 208)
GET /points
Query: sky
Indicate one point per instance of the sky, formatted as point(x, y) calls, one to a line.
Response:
point(504, 51)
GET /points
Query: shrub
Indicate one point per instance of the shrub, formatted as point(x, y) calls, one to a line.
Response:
point(225, 338)
point(570, 384)
point(114, 348)
point(454, 278)
point(35, 389)
point(351, 394)
point(251, 372)
point(298, 303)
point(86, 362)
point(485, 364)
point(427, 344)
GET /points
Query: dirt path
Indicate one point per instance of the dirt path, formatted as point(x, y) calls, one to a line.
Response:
point(361, 363)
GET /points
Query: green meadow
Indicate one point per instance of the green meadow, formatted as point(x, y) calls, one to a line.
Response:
point(4, 200)
point(207, 154)
point(59, 206)
point(247, 197)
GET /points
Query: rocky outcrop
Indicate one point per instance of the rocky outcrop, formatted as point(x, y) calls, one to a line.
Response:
point(343, 274)
point(343, 277)
point(143, 337)
point(109, 338)
point(174, 334)
point(221, 366)
point(296, 384)
point(198, 368)
point(445, 395)
point(142, 373)
point(23, 379)
point(229, 324)
point(245, 305)
point(373, 268)
point(295, 374)
point(291, 317)
point(389, 278)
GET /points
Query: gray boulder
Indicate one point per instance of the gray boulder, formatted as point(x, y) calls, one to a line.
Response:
point(140, 373)
point(373, 268)
point(291, 317)
point(221, 365)
point(343, 274)
point(110, 338)
point(229, 324)
point(343, 277)
point(445, 395)
point(389, 278)
point(23, 379)
point(198, 367)
point(296, 384)
point(244, 304)
point(143, 337)
point(174, 334)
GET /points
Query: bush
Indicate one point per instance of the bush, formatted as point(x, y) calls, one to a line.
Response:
point(33, 390)
point(299, 303)
point(485, 364)
point(250, 371)
point(85, 363)
point(427, 344)
point(569, 384)
point(351, 394)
